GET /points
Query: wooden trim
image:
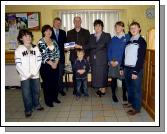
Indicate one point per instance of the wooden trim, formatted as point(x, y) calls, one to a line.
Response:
point(149, 101)
point(9, 57)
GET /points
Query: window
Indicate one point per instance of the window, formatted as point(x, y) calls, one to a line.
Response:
point(109, 17)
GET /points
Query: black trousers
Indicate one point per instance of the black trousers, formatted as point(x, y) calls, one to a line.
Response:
point(50, 79)
point(61, 73)
point(114, 86)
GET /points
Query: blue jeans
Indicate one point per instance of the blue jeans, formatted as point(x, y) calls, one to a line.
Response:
point(83, 83)
point(30, 92)
point(134, 88)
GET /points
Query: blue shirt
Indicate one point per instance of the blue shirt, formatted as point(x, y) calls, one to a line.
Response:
point(56, 31)
point(116, 48)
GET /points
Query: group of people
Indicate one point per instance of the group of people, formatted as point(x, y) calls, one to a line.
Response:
point(120, 57)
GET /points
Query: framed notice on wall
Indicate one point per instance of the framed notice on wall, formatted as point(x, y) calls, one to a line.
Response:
point(29, 20)
point(33, 20)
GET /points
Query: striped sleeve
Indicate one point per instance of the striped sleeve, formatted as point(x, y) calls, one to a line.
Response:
point(19, 66)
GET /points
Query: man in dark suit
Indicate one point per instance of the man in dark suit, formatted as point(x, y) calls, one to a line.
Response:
point(59, 36)
point(81, 37)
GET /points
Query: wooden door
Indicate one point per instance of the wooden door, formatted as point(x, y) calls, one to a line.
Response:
point(151, 85)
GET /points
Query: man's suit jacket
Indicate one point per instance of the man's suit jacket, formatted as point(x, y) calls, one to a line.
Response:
point(61, 40)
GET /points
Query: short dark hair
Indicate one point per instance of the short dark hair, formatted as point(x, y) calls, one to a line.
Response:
point(80, 50)
point(98, 22)
point(120, 23)
point(23, 32)
point(57, 18)
point(135, 23)
point(44, 28)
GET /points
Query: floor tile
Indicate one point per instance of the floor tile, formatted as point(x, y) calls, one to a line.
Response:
point(93, 109)
point(111, 119)
point(109, 113)
point(86, 119)
point(73, 119)
point(97, 107)
point(98, 113)
point(73, 114)
point(123, 119)
point(76, 108)
point(61, 119)
point(99, 119)
point(86, 108)
point(86, 114)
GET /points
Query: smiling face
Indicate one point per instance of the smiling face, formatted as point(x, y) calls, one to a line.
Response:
point(134, 29)
point(57, 24)
point(27, 40)
point(80, 54)
point(48, 33)
point(119, 29)
point(77, 22)
point(98, 28)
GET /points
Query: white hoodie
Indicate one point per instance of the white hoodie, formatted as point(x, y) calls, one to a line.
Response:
point(28, 62)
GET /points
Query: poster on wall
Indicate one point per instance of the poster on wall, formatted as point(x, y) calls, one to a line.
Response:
point(30, 20)
point(16, 21)
point(21, 20)
point(33, 21)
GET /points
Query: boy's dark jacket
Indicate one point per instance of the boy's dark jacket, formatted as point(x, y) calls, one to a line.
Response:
point(83, 64)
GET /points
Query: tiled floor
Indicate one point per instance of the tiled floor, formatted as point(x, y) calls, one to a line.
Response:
point(93, 109)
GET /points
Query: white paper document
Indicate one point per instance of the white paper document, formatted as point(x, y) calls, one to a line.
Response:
point(69, 44)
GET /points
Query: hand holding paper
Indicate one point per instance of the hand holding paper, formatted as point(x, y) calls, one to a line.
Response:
point(69, 45)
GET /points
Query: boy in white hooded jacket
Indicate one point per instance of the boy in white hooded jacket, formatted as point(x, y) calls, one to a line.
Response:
point(28, 61)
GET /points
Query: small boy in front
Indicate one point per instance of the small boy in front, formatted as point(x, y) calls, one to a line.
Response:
point(133, 68)
point(81, 68)
point(28, 61)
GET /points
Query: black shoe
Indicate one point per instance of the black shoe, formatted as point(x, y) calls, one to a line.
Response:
point(57, 101)
point(103, 93)
point(125, 98)
point(98, 93)
point(28, 114)
point(62, 93)
point(74, 92)
point(49, 105)
point(40, 109)
point(114, 98)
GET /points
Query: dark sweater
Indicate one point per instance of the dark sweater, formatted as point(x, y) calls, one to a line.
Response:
point(140, 55)
point(80, 38)
point(83, 64)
